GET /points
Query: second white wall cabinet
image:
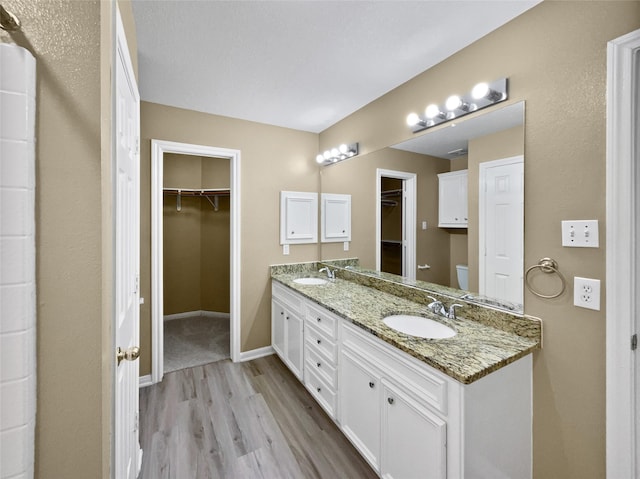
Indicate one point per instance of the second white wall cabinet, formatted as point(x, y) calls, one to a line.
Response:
point(335, 218)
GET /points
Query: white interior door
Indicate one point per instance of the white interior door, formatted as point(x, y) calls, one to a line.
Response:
point(127, 263)
point(501, 229)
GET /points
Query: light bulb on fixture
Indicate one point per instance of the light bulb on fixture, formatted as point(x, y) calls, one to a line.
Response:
point(327, 154)
point(433, 111)
point(334, 152)
point(343, 148)
point(413, 119)
point(482, 90)
point(320, 158)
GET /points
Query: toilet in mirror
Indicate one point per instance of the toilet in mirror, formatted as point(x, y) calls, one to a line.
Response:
point(442, 210)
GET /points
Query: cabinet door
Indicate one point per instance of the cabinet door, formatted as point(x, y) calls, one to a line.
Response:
point(359, 398)
point(413, 438)
point(452, 199)
point(277, 328)
point(298, 217)
point(293, 325)
point(335, 218)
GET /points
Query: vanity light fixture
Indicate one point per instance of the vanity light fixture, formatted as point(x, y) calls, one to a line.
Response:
point(481, 96)
point(340, 153)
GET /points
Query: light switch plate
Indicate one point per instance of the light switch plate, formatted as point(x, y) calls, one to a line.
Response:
point(580, 234)
point(345, 246)
point(285, 249)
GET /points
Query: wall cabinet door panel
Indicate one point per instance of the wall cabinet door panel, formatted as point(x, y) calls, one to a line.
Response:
point(335, 218)
point(452, 200)
point(298, 217)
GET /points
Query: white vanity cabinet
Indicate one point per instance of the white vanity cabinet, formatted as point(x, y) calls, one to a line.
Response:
point(407, 419)
point(452, 199)
point(287, 315)
point(385, 410)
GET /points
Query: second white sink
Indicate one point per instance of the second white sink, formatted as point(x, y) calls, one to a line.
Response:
point(310, 281)
point(419, 326)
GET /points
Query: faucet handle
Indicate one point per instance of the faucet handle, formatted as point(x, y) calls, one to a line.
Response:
point(436, 306)
point(452, 311)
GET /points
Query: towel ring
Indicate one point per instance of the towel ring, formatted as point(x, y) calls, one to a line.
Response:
point(546, 265)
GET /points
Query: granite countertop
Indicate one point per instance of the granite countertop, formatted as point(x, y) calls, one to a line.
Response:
point(475, 351)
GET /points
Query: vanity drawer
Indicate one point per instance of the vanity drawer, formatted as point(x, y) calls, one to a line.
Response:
point(323, 319)
point(321, 365)
point(321, 342)
point(286, 295)
point(320, 390)
point(426, 382)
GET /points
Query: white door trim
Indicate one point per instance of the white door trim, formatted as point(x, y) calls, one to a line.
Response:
point(158, 149)
point(408, 219)
point(482, 214)
point(622, 225)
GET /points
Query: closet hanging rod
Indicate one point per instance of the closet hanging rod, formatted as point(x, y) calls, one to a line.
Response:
point(197, 192)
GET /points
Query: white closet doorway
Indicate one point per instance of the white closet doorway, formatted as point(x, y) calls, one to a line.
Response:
point(195, 256)
point(396, 222)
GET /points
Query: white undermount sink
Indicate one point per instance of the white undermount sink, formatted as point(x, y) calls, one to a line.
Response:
point(419, 326)
point(310, 281)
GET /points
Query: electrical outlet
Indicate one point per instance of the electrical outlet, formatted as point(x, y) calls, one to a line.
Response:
point(586, 293)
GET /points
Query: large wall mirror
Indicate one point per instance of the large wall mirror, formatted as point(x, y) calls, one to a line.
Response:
point(483, 246)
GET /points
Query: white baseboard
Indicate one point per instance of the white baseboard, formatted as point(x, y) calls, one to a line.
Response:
point(145, 381)
point(192, 314)
point(256, 353)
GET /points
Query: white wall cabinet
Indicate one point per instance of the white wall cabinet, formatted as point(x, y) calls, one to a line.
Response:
point(407, 419)
point(335, 218)
point(287, 328)
point(452, 199)
point(298, 217)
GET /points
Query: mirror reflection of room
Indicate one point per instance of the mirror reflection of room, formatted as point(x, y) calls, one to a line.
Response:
point(391, 249)
point(196, 219)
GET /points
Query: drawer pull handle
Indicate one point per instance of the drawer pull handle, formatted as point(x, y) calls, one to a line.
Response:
point(287, 318)
point(390, 400)
point(319, 389)
point(318, 364)
point(319, 319)
point(318, 341)
point(282, 313)
point(371, 384)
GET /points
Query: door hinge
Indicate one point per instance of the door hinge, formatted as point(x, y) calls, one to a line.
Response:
point(137, 284)
point(634, 342)
point(137, 145)
point(137, 422)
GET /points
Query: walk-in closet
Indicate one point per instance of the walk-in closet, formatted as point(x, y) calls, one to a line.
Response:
point(196, 258)
point(391, 225)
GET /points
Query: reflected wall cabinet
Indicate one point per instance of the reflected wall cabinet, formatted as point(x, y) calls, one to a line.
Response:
point(298, 217)
point(335, 218)
point(452, 199)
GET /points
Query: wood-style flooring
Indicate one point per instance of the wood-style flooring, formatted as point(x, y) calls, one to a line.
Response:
point(241, 420)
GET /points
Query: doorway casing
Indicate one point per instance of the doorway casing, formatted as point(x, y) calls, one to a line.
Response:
point(623, 255)
point(158, 149)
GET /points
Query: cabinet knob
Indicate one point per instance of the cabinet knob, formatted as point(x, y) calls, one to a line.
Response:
point(318, 364)
point(293, 232)
point(343, 231)
point(287, 318)
point(390, 400)
point(455, 219)
point(319, 319)
point(318, 341)
point(282, 313)
point(319, 389)
point(371, 384)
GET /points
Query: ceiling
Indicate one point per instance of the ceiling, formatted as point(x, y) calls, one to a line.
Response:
point(299, 64)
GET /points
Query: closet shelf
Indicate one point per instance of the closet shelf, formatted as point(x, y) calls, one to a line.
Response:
point(389, 193)
point(207, 193)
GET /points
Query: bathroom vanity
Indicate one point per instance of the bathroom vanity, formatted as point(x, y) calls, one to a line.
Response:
point(450, 408)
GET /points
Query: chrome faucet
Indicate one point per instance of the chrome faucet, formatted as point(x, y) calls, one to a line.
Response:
point(436, 307)
point(451, 314)
point(331, 274)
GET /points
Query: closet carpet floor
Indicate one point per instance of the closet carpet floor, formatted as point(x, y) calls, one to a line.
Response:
point(241, 420)
point(195, 341)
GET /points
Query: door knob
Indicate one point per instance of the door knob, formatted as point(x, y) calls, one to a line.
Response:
point(131, 354)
